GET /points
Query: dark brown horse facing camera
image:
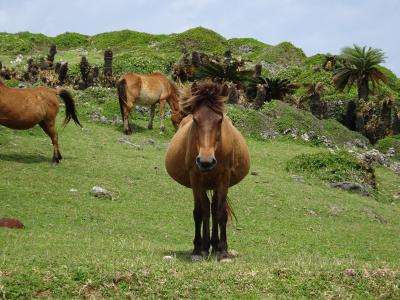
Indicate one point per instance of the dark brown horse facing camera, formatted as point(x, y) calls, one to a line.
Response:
point(208, 153)
point(148, 90)
point(24, 108)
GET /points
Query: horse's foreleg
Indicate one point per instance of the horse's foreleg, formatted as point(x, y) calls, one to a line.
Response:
point(205, 207)
point(214, 231)
point(197, 216)
point(162, 111)
point(50, 130)
point(152, 113)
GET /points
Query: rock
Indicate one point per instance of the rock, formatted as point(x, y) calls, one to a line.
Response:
point(103, 120)
point(298, 178)
point(100, 192)
point(374, 156)
point(361, 144)
point(11, 223)
point(269, 134)
point(126, 142)
point(254, 173)
point(395, 166)
point(350, 272)
point(391, 152)
point(149, 142)
point(396, 196)
point(375, 216)
point(309, 136)
point(168, 257)
point(21, 85)
point(351, 187)
point(335, 210)
point(73, 190)
point(245, 49)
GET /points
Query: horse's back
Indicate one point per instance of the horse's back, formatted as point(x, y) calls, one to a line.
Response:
point(147, 89)
point(24, 108)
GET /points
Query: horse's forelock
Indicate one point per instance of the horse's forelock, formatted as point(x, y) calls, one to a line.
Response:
point(203, 93)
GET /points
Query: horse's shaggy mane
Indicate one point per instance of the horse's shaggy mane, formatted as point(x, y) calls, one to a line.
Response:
point(203, 93)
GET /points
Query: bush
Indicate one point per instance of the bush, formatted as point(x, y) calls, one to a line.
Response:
point(390, 142)
point(332, 167)
point(70, 40)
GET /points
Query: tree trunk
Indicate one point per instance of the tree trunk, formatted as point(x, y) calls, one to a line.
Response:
point(386, 119)
point(257, 70)
point(233, 95)
point(108, 58)
point(62, 75)
point(316, 106)
point(396, 121)
point(85, 69)
point(260, 97)
point(362, 89)
point(50, 56)
point(350, 118)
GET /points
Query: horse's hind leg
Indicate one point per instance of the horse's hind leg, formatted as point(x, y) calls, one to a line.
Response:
point(125, 110)
point(162, 111)
point(49, 128)
point(152, 113)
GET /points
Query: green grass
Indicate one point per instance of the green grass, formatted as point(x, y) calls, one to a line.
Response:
point(294, 239)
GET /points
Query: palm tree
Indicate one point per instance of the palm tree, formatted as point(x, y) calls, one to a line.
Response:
point(274, 89)
point(227, 71)
point(361, 67)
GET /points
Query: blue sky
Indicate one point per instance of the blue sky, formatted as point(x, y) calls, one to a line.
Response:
point(317, 26)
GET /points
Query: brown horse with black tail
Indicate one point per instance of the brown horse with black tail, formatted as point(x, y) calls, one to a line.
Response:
point(24, 108)
point(148, 90)
point(208, 153)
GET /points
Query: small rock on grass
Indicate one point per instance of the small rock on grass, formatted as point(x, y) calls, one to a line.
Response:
point(100, 192)
point(254, 173)
point(168, 257)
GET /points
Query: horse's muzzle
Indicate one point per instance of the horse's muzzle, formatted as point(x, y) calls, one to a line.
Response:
point(205, 165)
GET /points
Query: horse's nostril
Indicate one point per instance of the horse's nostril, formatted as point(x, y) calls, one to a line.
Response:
point(214, 162)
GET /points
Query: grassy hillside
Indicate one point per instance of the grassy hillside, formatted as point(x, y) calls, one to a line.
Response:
point(293, 238)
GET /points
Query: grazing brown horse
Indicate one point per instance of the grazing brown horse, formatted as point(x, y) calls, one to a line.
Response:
point(24, 108)
point(208, 153)
point(148, 90)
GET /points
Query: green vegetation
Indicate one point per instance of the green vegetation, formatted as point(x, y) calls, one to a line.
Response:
point(361, 68)
point(340, 166)
point(383, 145)
point(294, 239)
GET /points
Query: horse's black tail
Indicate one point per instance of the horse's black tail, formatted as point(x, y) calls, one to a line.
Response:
point(121, 88)
point(70, 111)
point(229, 210)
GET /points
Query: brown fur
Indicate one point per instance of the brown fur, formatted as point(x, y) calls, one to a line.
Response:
point(11, 223)
point(208, 153)
point(147, 90)
point(24, 108)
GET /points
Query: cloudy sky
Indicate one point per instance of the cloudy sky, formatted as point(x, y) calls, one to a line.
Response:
point(317, 26)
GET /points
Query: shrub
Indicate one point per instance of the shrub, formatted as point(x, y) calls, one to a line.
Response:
point(332, 167)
